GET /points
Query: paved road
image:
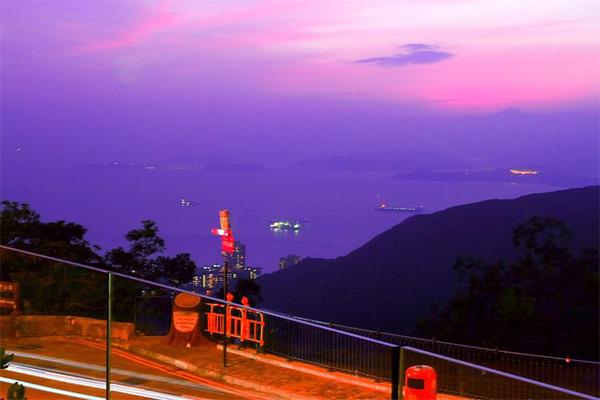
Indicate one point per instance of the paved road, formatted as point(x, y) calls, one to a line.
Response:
point(78, 369)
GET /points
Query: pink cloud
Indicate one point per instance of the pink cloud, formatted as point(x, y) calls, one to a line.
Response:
point(158, 19)
point(514, 77)
point(474, 79)
point(305, 48)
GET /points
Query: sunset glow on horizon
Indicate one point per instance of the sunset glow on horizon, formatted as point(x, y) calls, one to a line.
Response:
point(441, 55)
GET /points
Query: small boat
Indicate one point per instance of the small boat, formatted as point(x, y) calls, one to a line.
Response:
point(189, 203)
point(393, 208)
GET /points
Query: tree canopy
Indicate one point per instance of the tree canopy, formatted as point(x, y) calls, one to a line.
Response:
point(244, 288)
point(52, 287)
point(142, 259)
point(544, 302)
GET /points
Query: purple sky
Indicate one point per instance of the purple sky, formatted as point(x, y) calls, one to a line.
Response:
point(135, 79)
point(275, 82)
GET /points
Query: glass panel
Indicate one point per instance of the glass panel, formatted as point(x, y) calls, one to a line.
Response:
point(473, 381)
point(165, 343)
point(157, 347)
point(53, 321)
point(175, 329)
point(577, 375)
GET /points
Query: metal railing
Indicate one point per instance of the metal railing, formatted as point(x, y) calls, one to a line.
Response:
point(464, 370)
point(470, 380)
point(578, 375)
point(286, 336)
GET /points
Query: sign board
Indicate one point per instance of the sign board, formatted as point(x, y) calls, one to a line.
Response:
point(9, 295)
point(227, 244)
point(185, 321)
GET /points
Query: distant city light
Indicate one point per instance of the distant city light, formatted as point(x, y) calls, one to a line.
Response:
point(288, 261)
point(523, 172)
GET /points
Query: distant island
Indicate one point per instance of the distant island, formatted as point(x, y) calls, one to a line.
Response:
point(516, 175)
point(239, 166)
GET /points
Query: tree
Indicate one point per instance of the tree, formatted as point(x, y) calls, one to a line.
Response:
point(17, 224)
point(546, 301)
point(142, 259)
point(144, 243)
point(5, 359)
point(250, 289)
point(177, 270)
point(16, 391)
point(48, 286)
point(21, 227)
point(244, 288)
point(146, 304)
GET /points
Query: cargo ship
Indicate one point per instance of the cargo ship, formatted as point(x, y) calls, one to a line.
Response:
point(393, 208)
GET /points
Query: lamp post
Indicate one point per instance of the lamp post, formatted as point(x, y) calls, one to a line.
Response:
point(225, 289)
point(226, 248)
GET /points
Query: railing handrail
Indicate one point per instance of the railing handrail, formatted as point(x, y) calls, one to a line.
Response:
point(501, 373)
point(562, 359)
point(163, 286)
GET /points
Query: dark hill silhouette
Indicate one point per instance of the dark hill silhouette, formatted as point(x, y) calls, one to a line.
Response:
point(393, 279)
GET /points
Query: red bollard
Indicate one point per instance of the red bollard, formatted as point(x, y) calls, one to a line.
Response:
point(420, 383)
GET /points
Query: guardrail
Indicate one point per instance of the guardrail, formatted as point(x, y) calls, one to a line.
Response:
point(464, 370)
point(286, 336)
point(578, 375)
point(476, 381)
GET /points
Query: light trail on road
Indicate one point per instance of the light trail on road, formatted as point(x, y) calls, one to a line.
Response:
point(180, 373)
point(42, 388)
point(182, 378)
point(91, 383)
point(116, 371)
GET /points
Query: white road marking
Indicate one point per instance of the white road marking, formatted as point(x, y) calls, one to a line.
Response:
point(48, 389)
point(92, 383)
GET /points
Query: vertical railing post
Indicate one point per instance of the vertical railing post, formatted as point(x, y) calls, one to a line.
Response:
point(402, 371)
point(395, 372)
point(289, 339)
point(108, 333)
point(225, 308)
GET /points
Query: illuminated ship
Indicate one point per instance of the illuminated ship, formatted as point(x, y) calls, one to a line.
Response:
point(392, 208)
point(516, 171)
point(188, 203)
point(285, 225)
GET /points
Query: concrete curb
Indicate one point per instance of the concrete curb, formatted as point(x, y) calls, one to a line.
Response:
point(316, 371)
point(265, 389)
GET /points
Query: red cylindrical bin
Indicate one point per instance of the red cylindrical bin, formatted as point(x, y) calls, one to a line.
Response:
point(420, 383)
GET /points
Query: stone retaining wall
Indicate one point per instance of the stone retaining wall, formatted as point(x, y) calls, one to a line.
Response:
point(62, 325)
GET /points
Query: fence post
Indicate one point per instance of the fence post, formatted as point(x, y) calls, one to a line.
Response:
point(108, 333)
point(402, 371)
point(395, 372)
point(289, 339)
point(225, 307)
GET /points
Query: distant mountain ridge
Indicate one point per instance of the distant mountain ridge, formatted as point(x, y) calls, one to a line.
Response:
point(510, 138)
point(394, 278)
point(388, 160)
